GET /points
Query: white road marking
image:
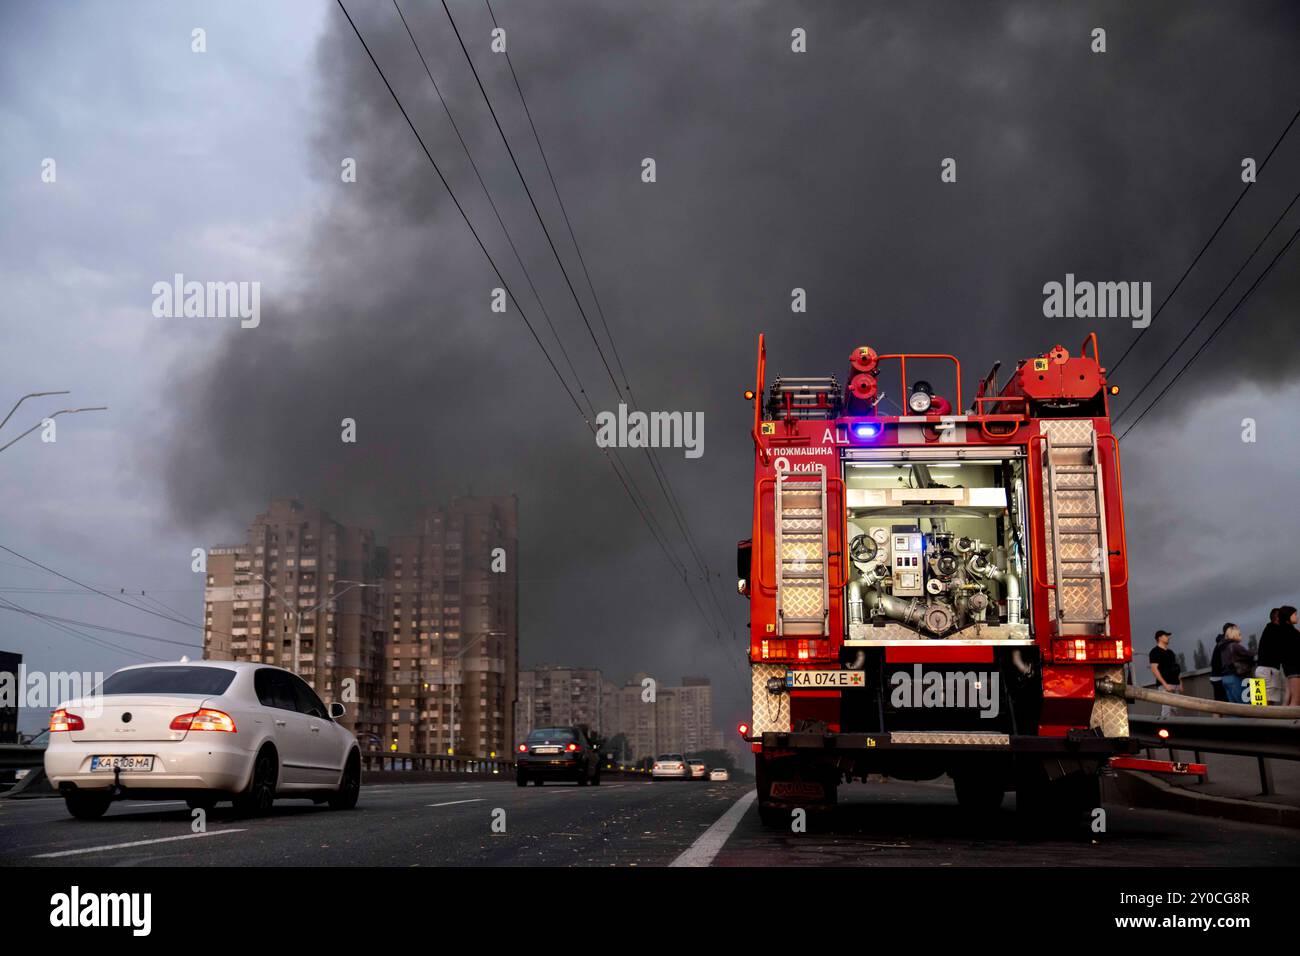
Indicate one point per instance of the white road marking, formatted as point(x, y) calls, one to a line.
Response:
point(124, 846)
point(452, 803)
point(711, 841)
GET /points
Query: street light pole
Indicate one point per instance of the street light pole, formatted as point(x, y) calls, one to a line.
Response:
point(451, 696)
point(298, 613)
point(61, 411)
point(24, 398)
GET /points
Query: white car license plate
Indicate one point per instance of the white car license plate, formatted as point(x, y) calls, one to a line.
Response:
point(127, 764)
point(546, 750)
point(825, 678)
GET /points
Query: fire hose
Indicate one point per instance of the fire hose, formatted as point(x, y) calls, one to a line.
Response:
point(1112, 688)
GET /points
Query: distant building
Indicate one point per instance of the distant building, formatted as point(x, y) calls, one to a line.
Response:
point(298, 572)
point(678, 720)
point(10, 664)
point(452, 662)
point(419, 639)
point(693, 712)
point(555, 696)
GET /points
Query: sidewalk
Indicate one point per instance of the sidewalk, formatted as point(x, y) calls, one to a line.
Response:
point(1238, 777)
point(1231, 790)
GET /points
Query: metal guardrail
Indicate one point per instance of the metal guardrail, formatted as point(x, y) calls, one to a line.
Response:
point(377, 760)
point(21, 756)
point(1242, 736)
point(1238, 736)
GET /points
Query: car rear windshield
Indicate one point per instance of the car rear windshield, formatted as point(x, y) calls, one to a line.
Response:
point(552, 733)
point(667, 757)
point(205, 681)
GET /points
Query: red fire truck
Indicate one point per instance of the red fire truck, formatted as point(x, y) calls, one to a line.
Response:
point(937, 587)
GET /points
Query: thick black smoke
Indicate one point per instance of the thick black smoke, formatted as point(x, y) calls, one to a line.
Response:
point(775, 170)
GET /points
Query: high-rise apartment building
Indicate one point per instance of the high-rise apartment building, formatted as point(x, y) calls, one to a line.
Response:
point(553, 696)
point(419, 639)
point(451, 662)
point(676, 720)
point(303, 579)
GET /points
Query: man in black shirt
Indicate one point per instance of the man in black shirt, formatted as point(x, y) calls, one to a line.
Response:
point(1164, 666)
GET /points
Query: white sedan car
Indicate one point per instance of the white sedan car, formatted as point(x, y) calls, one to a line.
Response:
point(670, 767)
point(201, 731)
point(719, 774)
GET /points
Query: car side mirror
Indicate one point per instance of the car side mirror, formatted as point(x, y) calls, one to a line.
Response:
point(337, 710)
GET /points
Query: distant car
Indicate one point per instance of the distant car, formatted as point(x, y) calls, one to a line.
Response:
point(201, 731)
point(670, 767)
point(557, 753)
point(699, 770)
point(718, 774)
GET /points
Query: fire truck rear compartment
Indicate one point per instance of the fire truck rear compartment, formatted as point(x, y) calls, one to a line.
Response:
point(935, 549)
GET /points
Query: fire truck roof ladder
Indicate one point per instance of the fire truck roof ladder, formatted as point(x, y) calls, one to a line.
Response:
point(1076, 515)
point(802, 583)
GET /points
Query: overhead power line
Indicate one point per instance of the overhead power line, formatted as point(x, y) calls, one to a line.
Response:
point(657, 529)
point(1217, 229)
point(111, 597)
point(497, 212)
point(1132, 403)
point(501, 278)
point(98, 627)
point(8, 605)
point(529, 193)
point(661, 476)
point(1204, 345)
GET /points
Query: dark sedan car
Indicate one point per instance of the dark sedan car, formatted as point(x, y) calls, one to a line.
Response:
point(558, 753)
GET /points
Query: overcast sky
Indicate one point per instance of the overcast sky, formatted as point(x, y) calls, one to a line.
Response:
point(775, 170)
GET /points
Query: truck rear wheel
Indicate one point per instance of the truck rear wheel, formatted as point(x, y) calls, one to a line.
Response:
point(979, 795)
point(1063, 805)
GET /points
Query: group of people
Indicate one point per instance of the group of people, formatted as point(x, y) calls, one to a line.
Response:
point(1276, 662)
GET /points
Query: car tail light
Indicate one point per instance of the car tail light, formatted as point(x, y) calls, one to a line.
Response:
point(205, 718)
point(523, 748)
point(571, 748)
point(62, 720)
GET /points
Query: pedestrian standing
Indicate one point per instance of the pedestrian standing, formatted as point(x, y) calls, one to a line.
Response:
point(1236, 662)
point(1286, 623)
point(1216, 667)
point(1268, 665)
point(1164, 666)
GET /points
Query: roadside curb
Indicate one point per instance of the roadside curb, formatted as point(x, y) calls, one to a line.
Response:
point(1144, 790)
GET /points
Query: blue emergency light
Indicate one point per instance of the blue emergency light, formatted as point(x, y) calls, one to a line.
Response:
point(866, 430)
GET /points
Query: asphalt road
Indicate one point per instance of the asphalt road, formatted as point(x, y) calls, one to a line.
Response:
point(621, 823)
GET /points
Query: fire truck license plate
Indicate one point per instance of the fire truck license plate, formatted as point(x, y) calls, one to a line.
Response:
point(828, 679)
